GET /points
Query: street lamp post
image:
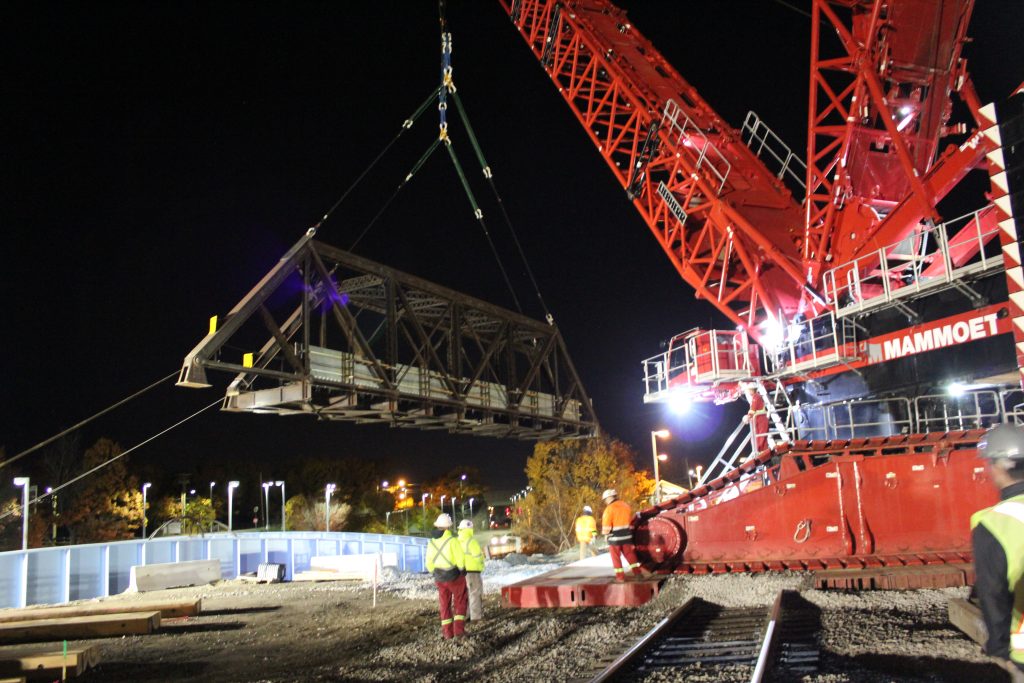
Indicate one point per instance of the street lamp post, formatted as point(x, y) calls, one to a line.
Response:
point(53, 509)
point(454, 498)
point(23, 483)
point(387, 521)
point(232, 485)
point(699, 468)
point(328, 490)
point(664, 434)
point(145, 487)
point(281, 484)
point(462, 480)
point(443, 496)
point(212, 484)
point(266, 502)
point(423, 504)
point(471, 507)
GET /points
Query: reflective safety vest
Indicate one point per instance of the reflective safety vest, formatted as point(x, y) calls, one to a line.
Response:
point(1005, 521)
point(443, 554)
point(471, 551)
point(586, 528)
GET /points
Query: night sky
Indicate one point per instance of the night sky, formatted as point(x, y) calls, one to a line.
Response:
point(158, 158)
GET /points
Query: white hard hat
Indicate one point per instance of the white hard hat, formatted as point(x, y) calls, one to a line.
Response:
point(588, 510)
point(1003, 442)
point(443, 521)
point(609, 493)
point(466, 524)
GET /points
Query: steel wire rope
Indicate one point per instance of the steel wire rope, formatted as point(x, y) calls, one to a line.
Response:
point(489, 175)
point(86, 421)
point(85, 474)
point(448, 88)
point(416, 167)
point(478, 214)
point(406, 125)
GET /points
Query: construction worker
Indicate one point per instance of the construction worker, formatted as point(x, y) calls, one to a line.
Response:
point(474, 556)
point(586, 530)
point(997, 534)
point(615, 525)
point(446, 563)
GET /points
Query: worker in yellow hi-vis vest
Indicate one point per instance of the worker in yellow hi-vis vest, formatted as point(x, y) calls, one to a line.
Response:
point(474, 557)
point(997, 534)
point(586, 530)
point(446, 563)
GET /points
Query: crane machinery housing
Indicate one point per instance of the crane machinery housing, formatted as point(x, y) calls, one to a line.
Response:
point(874, 336)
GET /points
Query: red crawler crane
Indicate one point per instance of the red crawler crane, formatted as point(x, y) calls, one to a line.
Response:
point(817, 263)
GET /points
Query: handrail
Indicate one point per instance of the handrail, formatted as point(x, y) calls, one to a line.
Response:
point(690, 136)
point(920, 262)
point(756, 130)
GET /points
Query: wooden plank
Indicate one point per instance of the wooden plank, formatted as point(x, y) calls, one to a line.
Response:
point(169, 609)
point(75, 628)
point(19, 679)
point(966, 616)
point(49, 664)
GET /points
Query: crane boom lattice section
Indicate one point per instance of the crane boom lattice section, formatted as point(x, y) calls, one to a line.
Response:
point(728, 224)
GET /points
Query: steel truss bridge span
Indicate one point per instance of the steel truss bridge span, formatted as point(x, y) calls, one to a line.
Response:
point(353, 340)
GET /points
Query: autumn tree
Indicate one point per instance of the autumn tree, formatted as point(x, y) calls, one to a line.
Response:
point(303, 514)
point(107, 504)
point(565, 476)
point(197, 517)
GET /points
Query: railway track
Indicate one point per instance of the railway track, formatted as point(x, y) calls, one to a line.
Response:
point(704, 641)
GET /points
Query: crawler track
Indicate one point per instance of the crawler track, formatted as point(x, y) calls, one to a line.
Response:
point(705, 641)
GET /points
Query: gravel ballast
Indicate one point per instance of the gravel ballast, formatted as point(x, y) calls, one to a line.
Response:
point(331, 632)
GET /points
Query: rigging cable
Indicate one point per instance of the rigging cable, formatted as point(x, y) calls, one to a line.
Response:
point(416, 167)
point(85, 421)
point(85, 474)
point(489, 175)
point(406, 125)
point(448, 87)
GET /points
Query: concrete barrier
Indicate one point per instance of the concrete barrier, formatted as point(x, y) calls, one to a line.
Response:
point(153, 577)
point(362, 567)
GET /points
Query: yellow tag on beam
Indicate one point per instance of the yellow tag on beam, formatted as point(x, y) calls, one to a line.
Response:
point(213, 325)
point(247, 360)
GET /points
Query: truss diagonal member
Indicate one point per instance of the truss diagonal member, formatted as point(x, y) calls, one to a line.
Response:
point(193, 373)
point(349, 325)
point(424, 338)
point(535, 366)
point(485, 360)
point(282, 341)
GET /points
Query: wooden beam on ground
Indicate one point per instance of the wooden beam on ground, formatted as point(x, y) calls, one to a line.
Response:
point(77, 628)
point(49, 665)
point(168, 609)
point(966, 616)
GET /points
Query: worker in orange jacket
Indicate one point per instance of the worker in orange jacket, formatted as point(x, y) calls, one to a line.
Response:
point(615, 524)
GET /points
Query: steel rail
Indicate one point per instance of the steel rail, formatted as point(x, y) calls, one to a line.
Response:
point(707, 650)
point(627, 657)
